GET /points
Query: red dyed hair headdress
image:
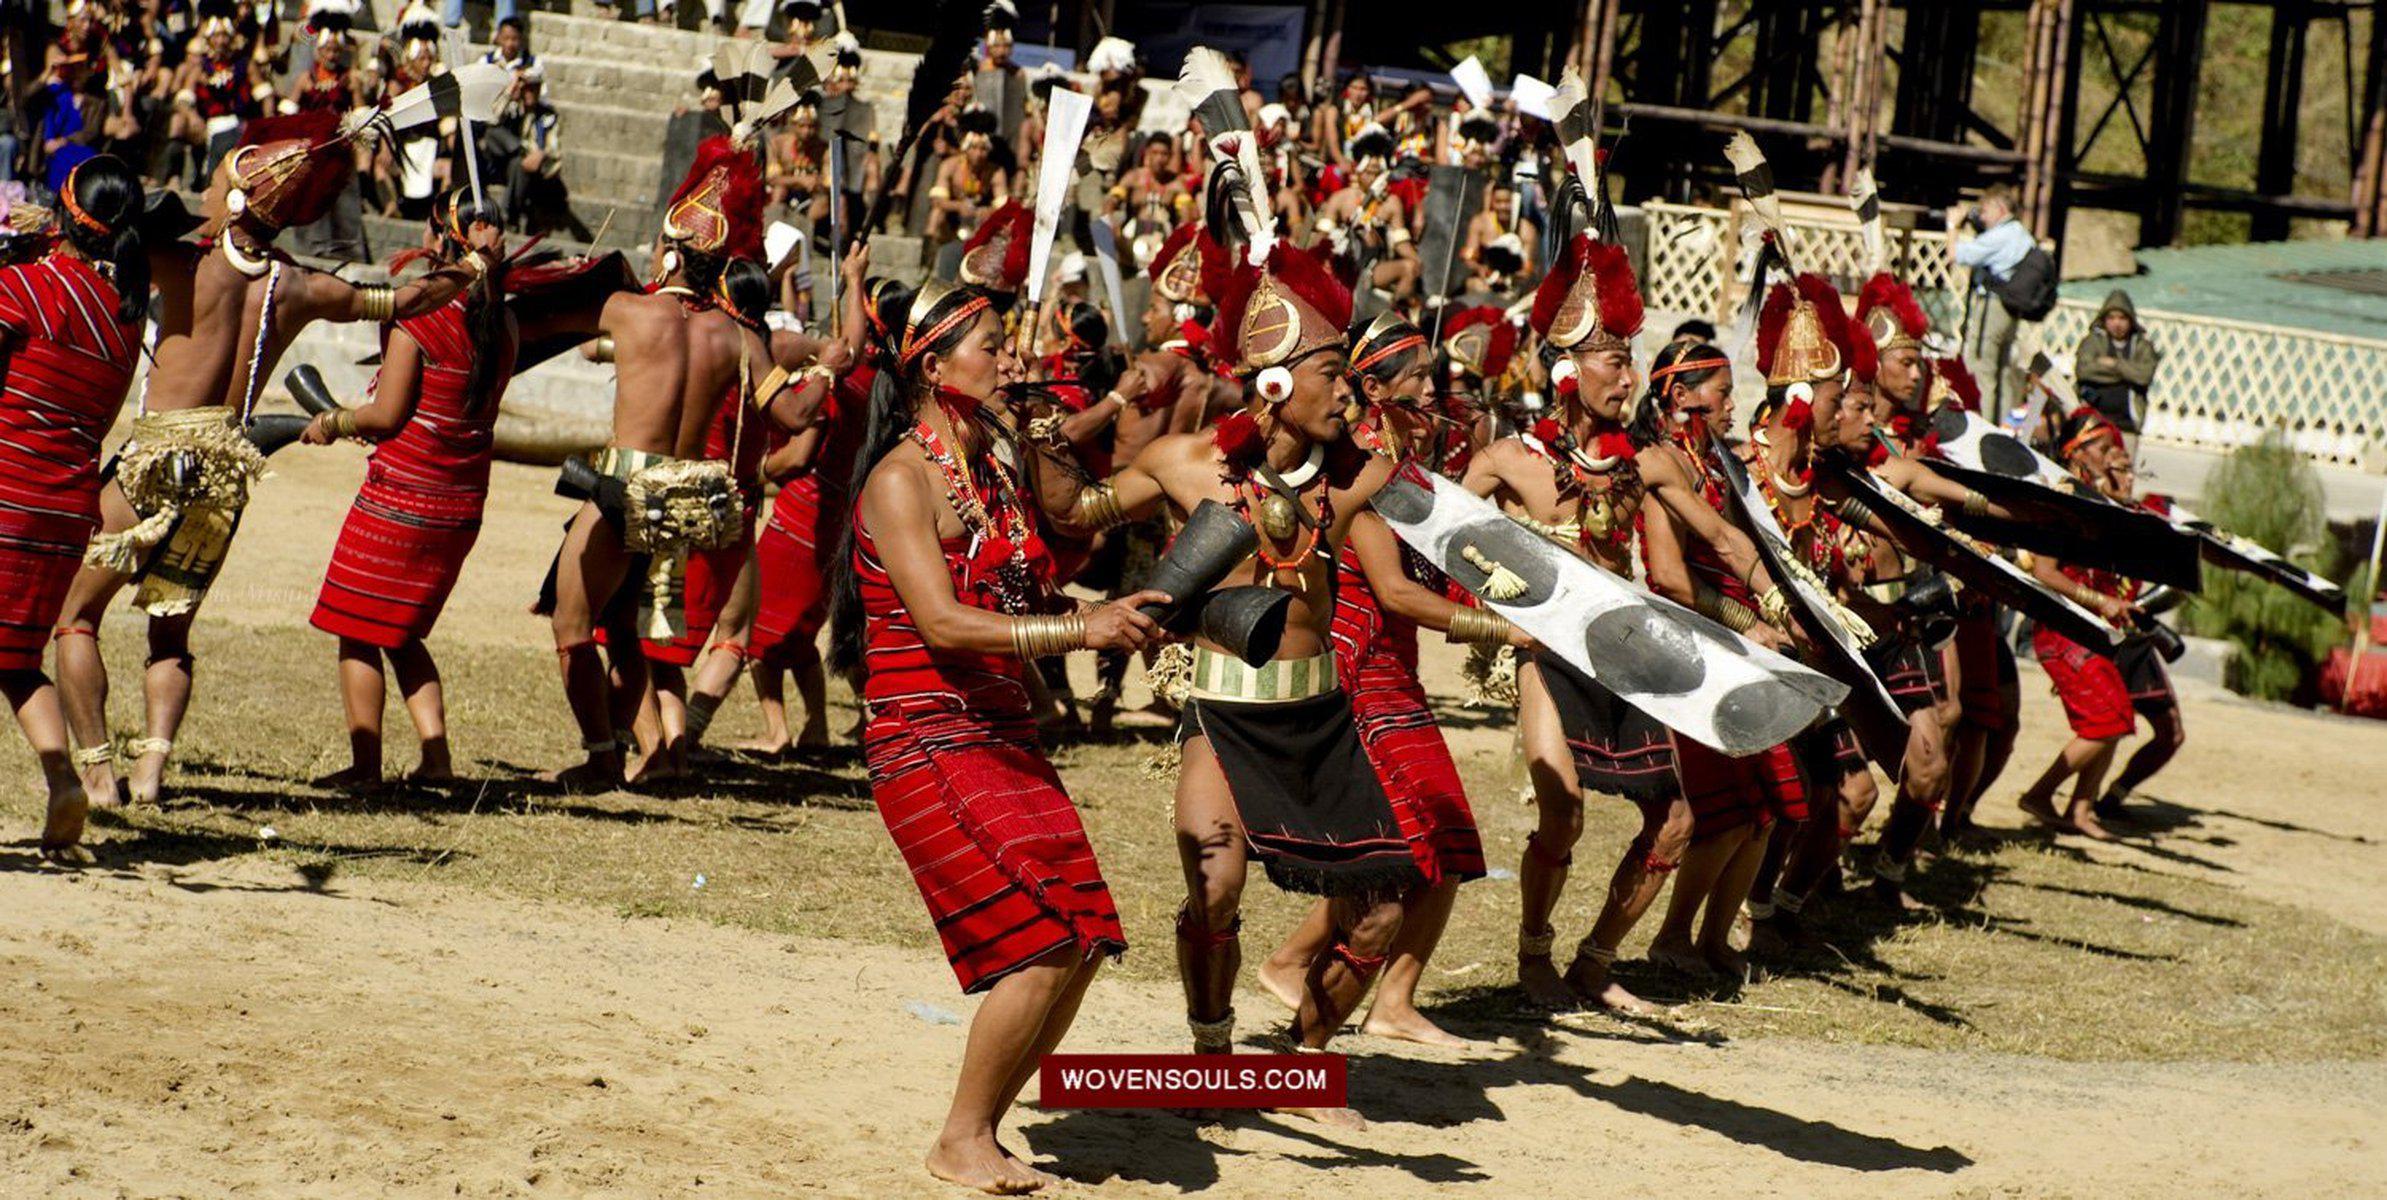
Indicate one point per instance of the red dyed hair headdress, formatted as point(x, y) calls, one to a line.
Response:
point(718, 209)
point(1589, 298)
point(996, 256)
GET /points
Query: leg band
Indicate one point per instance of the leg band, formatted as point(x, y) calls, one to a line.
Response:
point(143, 747)
point(1788, 901)
point(571, 648)
point(737, 650)
point(1533, 846)
point(601, 745)
point(92, 756)
point(1365, 965)
point(1761, 910)
point(1213, 1037)
point(64, 632)
point(1655, 865)
point(1602, 955)
point(1536, 945)
point(1895, 872)
point(1204, 938)
point(188, 663)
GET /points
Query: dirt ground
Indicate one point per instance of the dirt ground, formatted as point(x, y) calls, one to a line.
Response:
point(504, 995)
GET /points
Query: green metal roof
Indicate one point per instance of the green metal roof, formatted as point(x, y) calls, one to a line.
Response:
point(2245, 283)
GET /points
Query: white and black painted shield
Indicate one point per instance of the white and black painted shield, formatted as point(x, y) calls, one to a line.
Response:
point(1969, 440)
point(2078, 527)
point(2004, 581)
point(1703, 680)
point(1870, 709)
point(2233, 553)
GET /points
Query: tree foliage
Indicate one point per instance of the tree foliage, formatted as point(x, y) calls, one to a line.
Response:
point(2268, 493)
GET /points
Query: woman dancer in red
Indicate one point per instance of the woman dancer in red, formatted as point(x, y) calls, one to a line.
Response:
point(70, 328)
point(944, 602)
point(1383, 594)
point(433, 408)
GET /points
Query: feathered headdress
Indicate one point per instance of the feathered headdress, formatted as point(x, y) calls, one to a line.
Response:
point(718, 209)
point(758, 88)
point(1189, 268)
point(1236, 204)
point(1002, 21)
point(330, 20)
point(1795, 339)
point(1278, 311)
point(1112, 56)
point(1480, 341)
point(1589, 297)
point(1886, 308)
point(996, 256)
point(1373, 143)
point(845, 57)
point(1952, 383)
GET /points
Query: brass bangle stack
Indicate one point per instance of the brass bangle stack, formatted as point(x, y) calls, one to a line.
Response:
point(341, 424)
point(1975, 504)
point(604, 349)
point(1732, 614)
point(1043, 636)
point(1097, 508)
point(377, 301)
point(1479, 626)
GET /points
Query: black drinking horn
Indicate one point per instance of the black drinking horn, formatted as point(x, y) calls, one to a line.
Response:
point(1247, 622)
point(306, 387)
point(273, 431)
point(1213, 542)
point(577, 481)
point(2167, 641)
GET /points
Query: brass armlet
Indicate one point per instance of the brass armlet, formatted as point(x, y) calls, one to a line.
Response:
point(1478, 626)
point(603, 350)
point(1097, 508)
point(1732, 614)
point(341, 424)
point(1042, 636)
point(376, 302)
point(1975, 504)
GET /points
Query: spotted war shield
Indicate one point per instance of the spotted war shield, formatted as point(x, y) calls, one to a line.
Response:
point(1870, 710)
point(2077, 528)
point(1995, 576)
point(1705, 681)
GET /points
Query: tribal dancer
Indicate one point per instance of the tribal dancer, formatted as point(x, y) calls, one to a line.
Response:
point(944, 601)
point(2142, 669)
point(1578, 735)
point(1908, 602)
point(2097, 702)
point(1801, 366)
point(1273, 763)
point(70, 329)
point(793, 553)
point(1384, 594)
point(1734, 801)
point(1989, 681)
point(714, 575)
point(676, 360)
point(1366, 225)
point(431, 423)
point(228, 308)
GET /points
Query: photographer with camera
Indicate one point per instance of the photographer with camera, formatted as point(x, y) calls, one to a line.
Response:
point(2013, 281)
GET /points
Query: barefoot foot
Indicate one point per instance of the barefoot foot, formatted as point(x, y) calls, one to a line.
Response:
point(62, 828)
point(1680, 956)
point(1590, 980)
point(1283, 981)
point(353, 779)
point(2041, 810)
point(601, 773)
point(2083, 821)
point(1544, 988)
point(1334, 1118)
point(979, 1163)
point(1409, 1025)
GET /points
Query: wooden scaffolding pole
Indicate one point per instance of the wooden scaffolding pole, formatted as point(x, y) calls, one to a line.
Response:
point(1602, 19)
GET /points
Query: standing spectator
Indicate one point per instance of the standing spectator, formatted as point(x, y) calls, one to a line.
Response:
point(1995, 252)
point(527, 144)
point(2115, 363)
point(331, 82)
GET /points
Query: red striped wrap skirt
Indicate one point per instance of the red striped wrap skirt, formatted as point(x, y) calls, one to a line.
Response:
point(39, 554)
point(1405, 745)
point(1726, 793)
point(792, 575)
point(396, 561)
point(992, 840)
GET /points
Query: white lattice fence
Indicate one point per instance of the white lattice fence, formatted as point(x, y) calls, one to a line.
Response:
point(1691, 249)
point(2223, 384)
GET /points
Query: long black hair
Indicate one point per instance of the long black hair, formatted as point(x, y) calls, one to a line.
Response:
point(1649, 421)
point(894, 403)
point(745, 292)
point(485, 315)
point(103, 205)
point(1099, 365)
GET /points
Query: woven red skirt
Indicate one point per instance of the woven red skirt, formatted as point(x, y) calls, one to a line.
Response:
point(1726, 793)
point(2096, 701)
point(792, 600)
point(712, 575)
point(396, 561)
point(992, 841)
point(1984, 670)
point(39, 554)
point(1405, 745)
